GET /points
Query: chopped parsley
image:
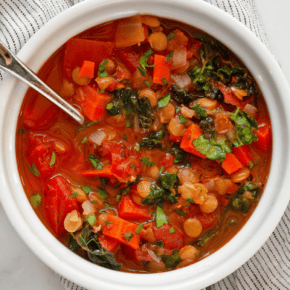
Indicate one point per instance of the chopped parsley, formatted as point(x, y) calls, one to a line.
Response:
point(139, 229)
point(91, 219)
point(169, 56)
point(171, 35)
point(200, 112)
point(146, 162)
point(171, 230)
point(33, 169)
point(102, 69)
point(85, 139)
point(161, 218)
point(182, 119)
point(164, 101)
point(143, 62)
point(128, 236)
point(102, 193)
point(35, 200)
point(86, 189)
point(52, 159)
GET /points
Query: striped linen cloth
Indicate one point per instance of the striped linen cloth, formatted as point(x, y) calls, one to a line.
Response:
point(270, 267)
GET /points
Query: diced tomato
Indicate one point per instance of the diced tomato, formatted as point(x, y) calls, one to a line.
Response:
point(193, 48)
point(265, 138)
point(206, 219)
point(176, 139)
point(230, 97)
point(40, 153)
point(231, 164)
point(180, 40)
point(130, 58)
point(142, 254)
point(39, 112)
point(167, 161)
point(243, 153)
point(58, 202)
point(129, 210)
point(191, 133)
point(170, 241)
point(105, 172)
point(78, 49)
point(108, 243)
point(223, 201)
point(161, 70)
point(125, 162)
point(94, 105)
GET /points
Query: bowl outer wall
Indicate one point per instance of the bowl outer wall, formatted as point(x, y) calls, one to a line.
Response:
point(275, 197)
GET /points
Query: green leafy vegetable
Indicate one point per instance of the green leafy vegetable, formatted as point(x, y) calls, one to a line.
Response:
point(164, 81)
point(35, 200)
point(180, 212)
point(52, 159)
point(180, 155)
point(137, 147)
point(91, 219)
point(85, 139)
point(86, 189)
point(102, 69)
point(21, 131)
point(207, 126)
point(93, 160)
point(182, 119)
point(128, 236)
point(102, 193)
point(143, 62)
point(171, 230)
point(161, 218)
point(168, 181)
point(171, 35)
point(170, 56)
point(153, 140)
point(164, 101)
point(146, 162)
point(181, 96)
point(200, 76)
point(145, 112)
point(87, 125)
point(113, 108)
point(214, 150)
point(171, 260)
point(155, 196)
point(172, 198)
point(139, 229)
point(200, 112)
point(72, 244)
point(244, 127)
point(201, 242)
point(104, 181)
point(147, 84)
point(33, 169)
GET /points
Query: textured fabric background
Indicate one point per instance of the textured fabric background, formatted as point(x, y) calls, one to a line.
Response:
point(270, 267)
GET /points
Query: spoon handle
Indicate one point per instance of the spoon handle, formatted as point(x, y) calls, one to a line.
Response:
point(11, 64)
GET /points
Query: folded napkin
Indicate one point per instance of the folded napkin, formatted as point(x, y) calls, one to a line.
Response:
point(270, 267)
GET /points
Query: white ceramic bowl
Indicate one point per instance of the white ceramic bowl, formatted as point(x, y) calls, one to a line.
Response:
point(275, 197)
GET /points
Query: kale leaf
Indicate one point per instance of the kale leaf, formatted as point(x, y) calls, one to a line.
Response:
point(216, 149)
point(113, 108)
point(72, 244)
point(244, 128)
point(155, 196)
point(153, 140)
point(171, 260)
point(180, 155)
point(145, 112)
point(181, 96)
point(201, 242)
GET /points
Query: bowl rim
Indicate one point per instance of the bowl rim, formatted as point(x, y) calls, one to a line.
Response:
point(241, 247)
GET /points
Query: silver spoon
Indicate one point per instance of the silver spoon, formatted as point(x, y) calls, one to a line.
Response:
point(11, 64)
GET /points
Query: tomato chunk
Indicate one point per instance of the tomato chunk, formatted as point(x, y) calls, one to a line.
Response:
point(58, 202)
point(161, 70)
point(265, 138)
point(231, 164)
point(243, 153)
point(77, 50)
point(129, 210)
point(170, 241)
point(108, 243)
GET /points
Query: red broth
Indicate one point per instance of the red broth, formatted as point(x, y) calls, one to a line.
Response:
point(174, 155)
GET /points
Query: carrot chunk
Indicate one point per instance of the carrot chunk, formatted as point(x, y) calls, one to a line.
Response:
point(87, 69)
point(108, 243)
point(161, 70)
point(128, 209)
point(191, 133)
point(231, 164)
point(94, 105)
point(122, 230)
